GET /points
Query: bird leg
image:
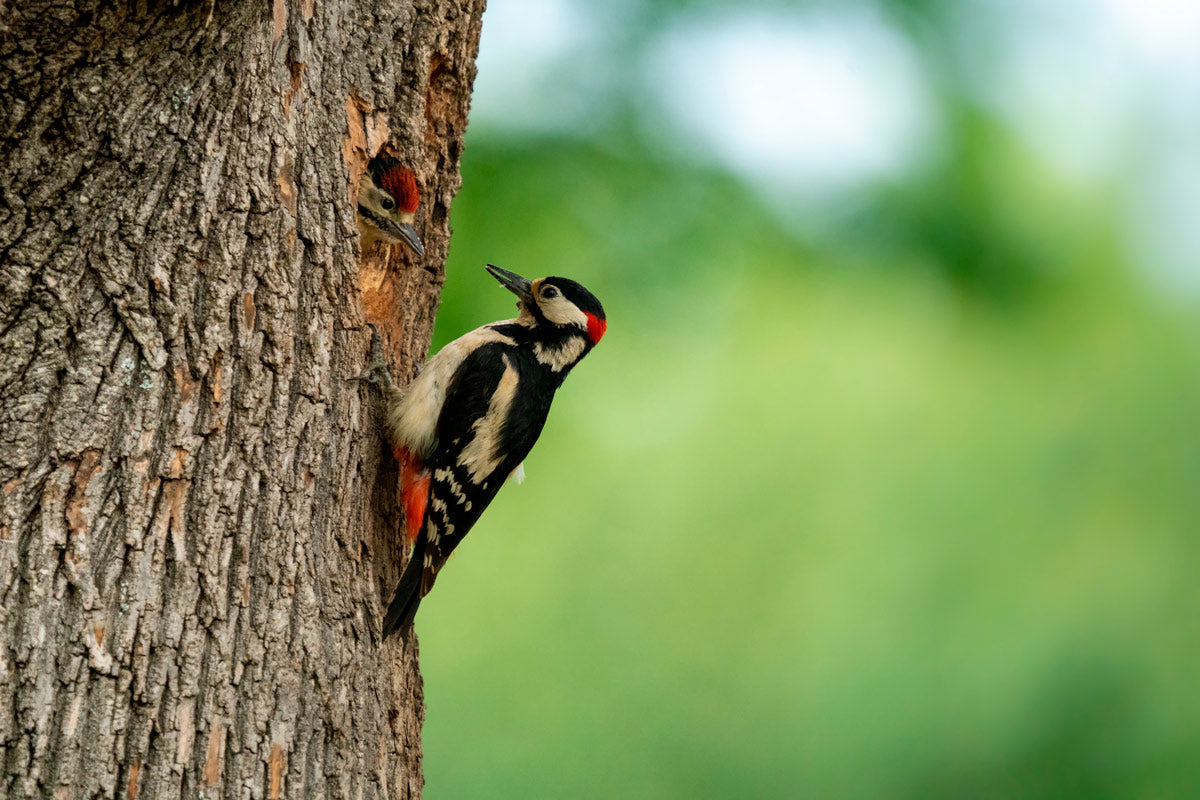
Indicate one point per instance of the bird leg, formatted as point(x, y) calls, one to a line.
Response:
point(376, 373)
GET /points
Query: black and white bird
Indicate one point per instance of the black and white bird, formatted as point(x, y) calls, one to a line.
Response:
point(387, 204)
point(466, 423)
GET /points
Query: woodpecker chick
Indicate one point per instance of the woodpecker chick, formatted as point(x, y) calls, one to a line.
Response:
point(387, 203)
point(473, 414)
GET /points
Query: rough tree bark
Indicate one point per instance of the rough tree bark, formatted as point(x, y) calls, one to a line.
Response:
point(197, 529)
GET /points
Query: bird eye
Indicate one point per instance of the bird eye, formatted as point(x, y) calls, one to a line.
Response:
point(549, 292)
point(388, 204)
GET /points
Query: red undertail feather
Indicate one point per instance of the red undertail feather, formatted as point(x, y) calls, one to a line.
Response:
point(596, 327)
point(414, 491)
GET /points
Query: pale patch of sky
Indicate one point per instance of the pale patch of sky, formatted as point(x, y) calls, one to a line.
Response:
point(1109, 91)
point(1164, 37)
point(544, 66)
point(817, 102)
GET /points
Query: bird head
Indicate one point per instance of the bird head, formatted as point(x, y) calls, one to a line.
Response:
point(561, 306)
point(387, 202)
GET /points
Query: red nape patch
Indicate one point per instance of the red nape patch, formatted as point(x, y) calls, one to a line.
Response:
point(596, 327)
point(401, 183)
point(414, 492)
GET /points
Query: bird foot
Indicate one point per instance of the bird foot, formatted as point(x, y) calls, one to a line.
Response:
point(376, 373)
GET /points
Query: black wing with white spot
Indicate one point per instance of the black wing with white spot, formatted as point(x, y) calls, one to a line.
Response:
point(487, 426)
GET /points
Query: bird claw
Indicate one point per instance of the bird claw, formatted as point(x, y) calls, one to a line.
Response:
point(376, 373)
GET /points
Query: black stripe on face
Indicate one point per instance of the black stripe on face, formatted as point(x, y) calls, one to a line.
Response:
point(376, 220)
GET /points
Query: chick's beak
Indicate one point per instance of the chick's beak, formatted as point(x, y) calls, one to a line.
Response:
point(519, 286)
point(408, 234)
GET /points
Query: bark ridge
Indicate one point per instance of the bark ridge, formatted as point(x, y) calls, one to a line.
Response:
point(197, 515)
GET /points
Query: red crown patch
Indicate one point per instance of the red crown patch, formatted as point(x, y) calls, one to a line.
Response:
point(401, 183)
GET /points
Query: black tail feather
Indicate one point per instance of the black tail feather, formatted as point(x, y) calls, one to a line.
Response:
point(404, 603)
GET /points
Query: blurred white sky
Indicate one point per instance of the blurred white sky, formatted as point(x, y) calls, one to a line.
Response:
point(815, 103)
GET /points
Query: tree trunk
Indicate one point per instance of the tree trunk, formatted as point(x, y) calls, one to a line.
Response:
point(198, 528)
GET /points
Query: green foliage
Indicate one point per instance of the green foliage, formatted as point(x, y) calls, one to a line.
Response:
point(838, 517)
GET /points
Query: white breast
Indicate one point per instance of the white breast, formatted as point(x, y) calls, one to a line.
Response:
point(413, 420)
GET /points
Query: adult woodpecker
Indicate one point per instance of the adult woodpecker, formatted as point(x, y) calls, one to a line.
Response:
point(387, 203)
point(466, 423)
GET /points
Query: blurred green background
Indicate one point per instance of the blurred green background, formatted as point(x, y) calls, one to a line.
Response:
point(885, 482)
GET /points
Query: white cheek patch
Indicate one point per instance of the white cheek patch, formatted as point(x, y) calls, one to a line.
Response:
point(373, 198)
point(369, 194)
point(562, 311)
point(482, 454)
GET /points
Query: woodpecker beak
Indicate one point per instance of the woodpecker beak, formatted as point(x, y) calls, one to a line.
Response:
point(519, 286)
point(408, 234)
